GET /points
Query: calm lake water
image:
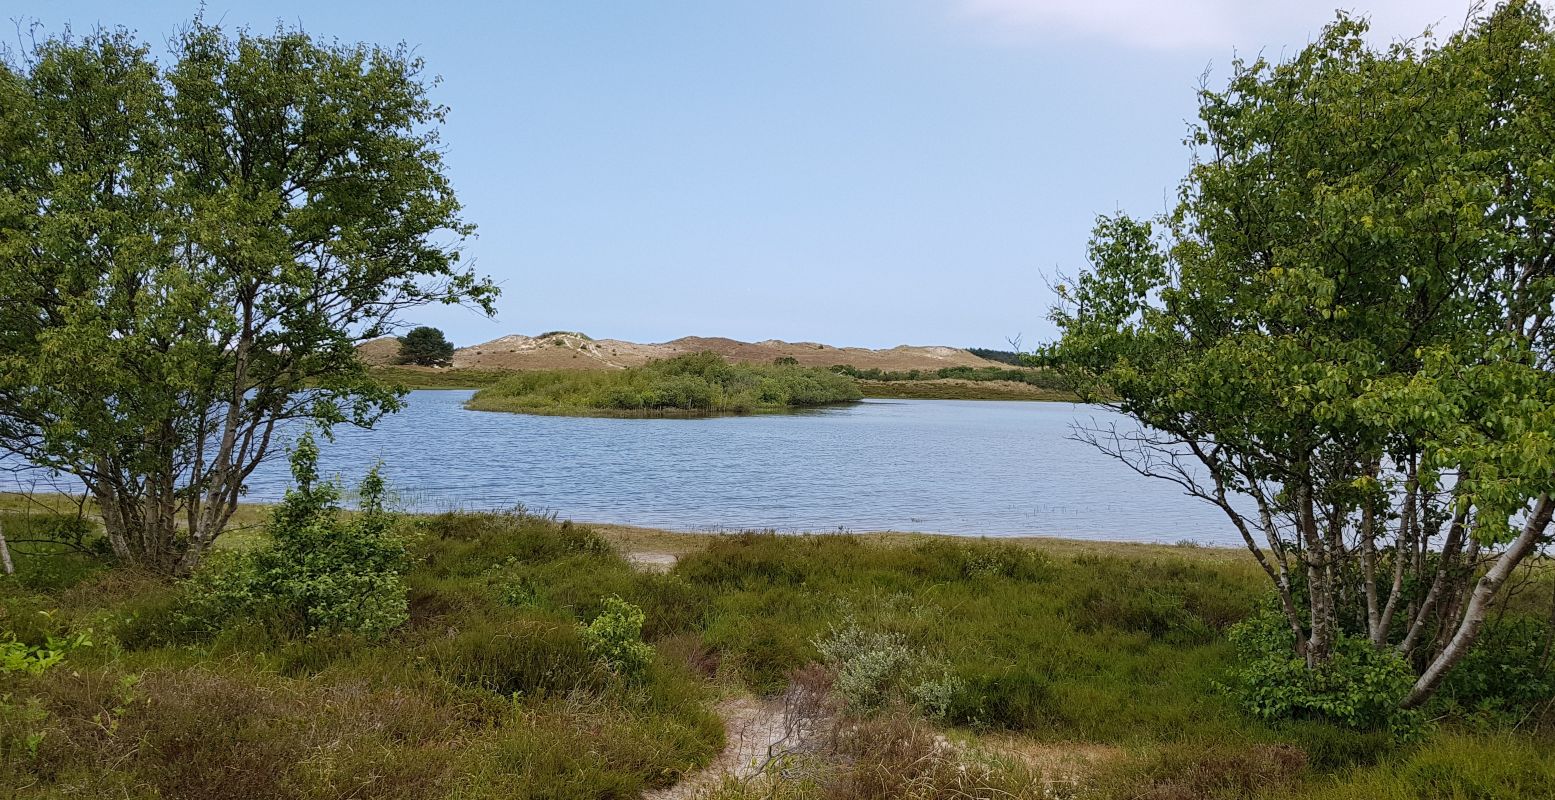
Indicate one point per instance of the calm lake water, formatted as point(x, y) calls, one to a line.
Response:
point(964, 467)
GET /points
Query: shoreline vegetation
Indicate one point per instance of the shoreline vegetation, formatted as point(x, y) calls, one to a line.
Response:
point(955, 383)
point(695, 385)
point(545, 658)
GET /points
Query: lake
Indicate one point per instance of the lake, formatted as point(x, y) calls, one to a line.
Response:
point(962, 467)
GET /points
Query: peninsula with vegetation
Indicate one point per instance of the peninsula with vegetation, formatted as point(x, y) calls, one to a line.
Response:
point(700, 384)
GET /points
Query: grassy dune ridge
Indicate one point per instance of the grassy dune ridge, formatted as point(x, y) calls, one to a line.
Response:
point(692, 385)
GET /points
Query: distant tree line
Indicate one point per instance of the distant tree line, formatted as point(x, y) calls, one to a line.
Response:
point(1002, 356)
point(1040, 378)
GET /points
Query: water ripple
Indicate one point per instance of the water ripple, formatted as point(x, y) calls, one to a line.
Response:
point(964, 467)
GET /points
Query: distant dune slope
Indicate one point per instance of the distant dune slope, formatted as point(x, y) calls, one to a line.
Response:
point(379, 352)
point(568, 350)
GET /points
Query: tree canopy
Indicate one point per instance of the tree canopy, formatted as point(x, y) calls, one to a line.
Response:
point(425, 346)
point(1340, 335)
point(190, 251)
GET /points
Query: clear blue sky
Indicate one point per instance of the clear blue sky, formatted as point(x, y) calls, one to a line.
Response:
point(854, 172)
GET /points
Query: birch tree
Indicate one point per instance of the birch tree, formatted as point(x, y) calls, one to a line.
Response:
point(1340, 335)
point(189, 254)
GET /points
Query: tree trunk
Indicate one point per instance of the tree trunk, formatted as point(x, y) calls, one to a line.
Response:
point(5, 553)
point(1321, 628)
point(1455, 535)
point(1479, 603)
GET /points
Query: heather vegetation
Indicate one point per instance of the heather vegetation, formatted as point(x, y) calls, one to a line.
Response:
point(532, 660)
point(698, 384)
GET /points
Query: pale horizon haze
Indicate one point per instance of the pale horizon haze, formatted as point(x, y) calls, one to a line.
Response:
point(849, 172)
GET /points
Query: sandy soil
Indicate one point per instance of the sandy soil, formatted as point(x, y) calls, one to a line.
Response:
point(754, 732)
point(653, 562)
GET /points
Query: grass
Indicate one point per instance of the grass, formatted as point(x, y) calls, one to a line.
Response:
point(1051, 646)
point(961, 389)
point(478, 696)
point(700, 384)
point(431, 378)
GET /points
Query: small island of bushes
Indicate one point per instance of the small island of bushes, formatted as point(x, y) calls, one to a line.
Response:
point(699, 384)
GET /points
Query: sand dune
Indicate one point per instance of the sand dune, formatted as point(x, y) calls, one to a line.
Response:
point(567, 350)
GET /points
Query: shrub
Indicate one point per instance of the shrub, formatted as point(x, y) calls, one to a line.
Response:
point(319, 570)
point(615, 639)
point(29, 659)
point(1508, 671)
point(531, 655)
point(54, 551)
point(875, 668)
point(1360, 688)
point(870, 665)
point(985, 559)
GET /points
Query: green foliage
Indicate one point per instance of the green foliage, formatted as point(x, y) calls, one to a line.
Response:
point(319, 570)
point(1004, 696)
point(615, 638)
point(1010, 627)
point(1040, 378)
point(696, 384)
point(21, 657)
point(1362, 687)
point(191, 250)
point(1510, 670)
point(53, 550)
point(875, 669)
point(426, 347)
point(1010, 357)
point(453, 378)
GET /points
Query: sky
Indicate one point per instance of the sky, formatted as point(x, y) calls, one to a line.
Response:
point(855, 172)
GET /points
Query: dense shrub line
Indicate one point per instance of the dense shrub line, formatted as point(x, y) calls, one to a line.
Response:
point(695, 384)
point(1041, 379)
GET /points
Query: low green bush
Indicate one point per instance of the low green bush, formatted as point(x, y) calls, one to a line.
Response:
point(1040, 378)
point(1360, 688)
point(530, 654)
point(1204, 771)
point(1508, 673)
point(614, 637)
point(319, 569)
